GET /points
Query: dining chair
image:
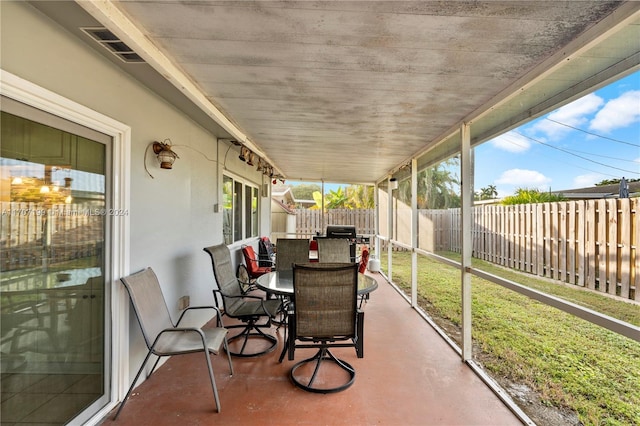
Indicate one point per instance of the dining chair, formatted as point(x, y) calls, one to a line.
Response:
point(266, 252)
point(325, 316)
point(249, 309)
point(290, 251)
point(331, 250)
point(162, 336)
point(248, 271)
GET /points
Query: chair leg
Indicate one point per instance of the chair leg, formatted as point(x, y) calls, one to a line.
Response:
point(213, 380)
point(360, 335)
point(155, 364)
point(226, 349)
point(291, 341)
point(252, 330)
point(126, 397)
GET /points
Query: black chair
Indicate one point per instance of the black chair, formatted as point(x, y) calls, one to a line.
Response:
point(250, 270)
point(248, 309)
point(266, 252)
point(325, 316)
point(161, 336)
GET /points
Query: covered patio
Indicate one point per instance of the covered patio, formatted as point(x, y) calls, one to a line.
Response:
point(402, 354)
point(250, 93)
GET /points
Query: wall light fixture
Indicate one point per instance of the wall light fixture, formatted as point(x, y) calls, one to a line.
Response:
point(244, 153)
point(393, 183)
point(165, 155)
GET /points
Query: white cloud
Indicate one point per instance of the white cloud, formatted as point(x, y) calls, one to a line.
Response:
point(520, 178)
point(584, 181)
point(573, 114)
point(511, 142)
point(617, 113)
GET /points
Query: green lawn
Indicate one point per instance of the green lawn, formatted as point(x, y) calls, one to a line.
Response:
point(569, 362)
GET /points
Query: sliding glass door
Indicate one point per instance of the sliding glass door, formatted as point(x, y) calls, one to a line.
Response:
point(54, 226)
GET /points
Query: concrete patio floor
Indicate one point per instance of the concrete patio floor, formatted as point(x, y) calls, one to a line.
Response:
point(409, 376)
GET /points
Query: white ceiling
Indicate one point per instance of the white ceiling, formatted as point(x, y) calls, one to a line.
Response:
point(348, 91)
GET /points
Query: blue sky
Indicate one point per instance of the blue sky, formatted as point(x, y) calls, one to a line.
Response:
point(549, 153)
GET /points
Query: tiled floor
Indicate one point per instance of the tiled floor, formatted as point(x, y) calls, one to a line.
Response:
point(408, 376)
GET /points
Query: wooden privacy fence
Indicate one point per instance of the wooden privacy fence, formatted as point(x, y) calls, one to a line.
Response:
point(593, 243)
point(309, 222)
point(32, 235)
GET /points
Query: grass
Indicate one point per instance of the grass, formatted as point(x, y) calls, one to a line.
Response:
point(570, 363)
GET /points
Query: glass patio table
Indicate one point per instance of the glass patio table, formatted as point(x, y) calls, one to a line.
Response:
point(280, 283)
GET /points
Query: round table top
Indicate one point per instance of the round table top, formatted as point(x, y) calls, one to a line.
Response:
point(281, 282)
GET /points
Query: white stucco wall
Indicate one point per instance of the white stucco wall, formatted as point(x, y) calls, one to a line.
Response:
point(172, 215)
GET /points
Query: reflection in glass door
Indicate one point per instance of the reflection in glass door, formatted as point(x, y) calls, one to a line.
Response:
point(52, 262)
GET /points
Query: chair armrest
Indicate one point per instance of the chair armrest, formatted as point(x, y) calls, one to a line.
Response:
point(261, 260)
point(238, 296)
point(178, 329)
point(218, 314)
point(223, 294)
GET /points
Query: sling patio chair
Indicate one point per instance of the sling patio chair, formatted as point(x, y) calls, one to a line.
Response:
point(162, 336)
point(249, 309)
point(332, 250)
point(290, 251)
point(325, 316)
point(251, 269)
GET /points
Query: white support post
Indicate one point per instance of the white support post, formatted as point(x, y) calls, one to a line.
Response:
point(414, 232)
point(467, 200)
point(323, 224)
point(376, 221)
point(390, 228)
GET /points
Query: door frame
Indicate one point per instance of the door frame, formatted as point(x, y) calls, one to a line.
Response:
point(117, 358)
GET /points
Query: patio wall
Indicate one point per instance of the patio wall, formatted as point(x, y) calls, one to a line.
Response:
point(172, 215)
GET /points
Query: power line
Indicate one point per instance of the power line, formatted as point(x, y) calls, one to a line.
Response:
point(576, 155)
point(592, 134)
point(569, 164)
point(602, 156)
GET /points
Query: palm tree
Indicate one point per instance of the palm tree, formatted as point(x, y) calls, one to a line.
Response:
point(488, 192)
point(438, 187)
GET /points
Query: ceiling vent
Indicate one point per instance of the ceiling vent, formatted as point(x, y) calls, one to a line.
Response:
point(113, 44)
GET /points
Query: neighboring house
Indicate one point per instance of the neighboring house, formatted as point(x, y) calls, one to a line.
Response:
point(283, 215)
point(283, 195)
point(596, 192)
point(305, 204)
point(283, 219)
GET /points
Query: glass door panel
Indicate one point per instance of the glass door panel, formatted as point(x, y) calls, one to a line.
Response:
point(52, 261)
